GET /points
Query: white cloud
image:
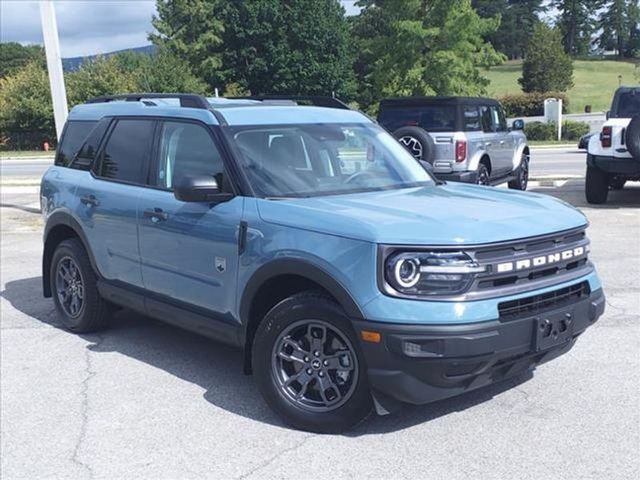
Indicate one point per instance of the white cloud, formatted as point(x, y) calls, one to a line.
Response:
point(84, 27)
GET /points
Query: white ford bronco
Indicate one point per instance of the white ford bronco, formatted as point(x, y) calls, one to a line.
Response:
point(613, 157)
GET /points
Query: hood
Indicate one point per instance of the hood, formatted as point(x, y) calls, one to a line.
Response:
point(448, 214)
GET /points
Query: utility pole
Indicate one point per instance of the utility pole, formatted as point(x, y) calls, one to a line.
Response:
point(54, 64)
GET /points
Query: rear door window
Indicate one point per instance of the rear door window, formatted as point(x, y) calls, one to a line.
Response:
point(487, 119)
point(75, 133)
point(126, 153)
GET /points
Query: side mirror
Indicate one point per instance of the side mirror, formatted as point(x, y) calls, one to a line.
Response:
point(608, 114)
point(199, 189)
point(518, 124)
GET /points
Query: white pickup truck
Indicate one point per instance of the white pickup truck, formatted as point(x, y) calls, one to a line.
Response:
point(613, 157)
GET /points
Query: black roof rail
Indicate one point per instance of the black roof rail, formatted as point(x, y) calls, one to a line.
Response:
point(190, 100)
point(316, 100)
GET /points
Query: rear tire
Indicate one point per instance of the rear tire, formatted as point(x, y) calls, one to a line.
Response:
point(80, 307)
point(596, 185)
point(618, 183)
point(483, 175)
point(308, 365)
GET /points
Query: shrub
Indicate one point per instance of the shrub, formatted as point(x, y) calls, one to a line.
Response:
point(530, 104)
point(549, 131)
point(540, 131)
point(574, 130)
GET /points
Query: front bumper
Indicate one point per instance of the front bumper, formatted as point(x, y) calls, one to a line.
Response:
point(465, 177)
point(423, 363)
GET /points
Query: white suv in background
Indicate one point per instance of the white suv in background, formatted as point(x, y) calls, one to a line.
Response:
point(613, 157)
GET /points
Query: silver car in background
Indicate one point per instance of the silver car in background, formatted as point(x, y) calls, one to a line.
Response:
point(464, 139)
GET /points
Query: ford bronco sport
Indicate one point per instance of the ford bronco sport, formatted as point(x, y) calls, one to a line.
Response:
point(465, 139)
point(613, 157)
point(310, 238)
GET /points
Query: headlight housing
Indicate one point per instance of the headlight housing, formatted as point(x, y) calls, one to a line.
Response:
point(430, 273)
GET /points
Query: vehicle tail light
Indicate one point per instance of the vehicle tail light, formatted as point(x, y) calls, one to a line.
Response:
point(605, 136)
point(461, 150)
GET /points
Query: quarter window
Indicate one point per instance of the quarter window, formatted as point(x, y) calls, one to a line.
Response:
point(471, 118)
point(126, 151)
point(187, 149)
point(75, 134)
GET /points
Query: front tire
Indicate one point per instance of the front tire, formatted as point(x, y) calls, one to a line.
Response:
point(522, 175)
point(80, 307)
point(596, 185)
point(309, 367)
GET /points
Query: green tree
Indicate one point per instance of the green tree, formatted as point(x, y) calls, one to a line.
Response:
point(100, 76)
point(616, 21)
point(422, 47)
point(546, 66)
point(161, 72)
point(576, 21)
point(26, 113)
point(14, 56)
point(517, 21)
point(263, 46)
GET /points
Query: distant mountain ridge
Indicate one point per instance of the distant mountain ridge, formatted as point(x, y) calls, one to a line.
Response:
point(74, 63)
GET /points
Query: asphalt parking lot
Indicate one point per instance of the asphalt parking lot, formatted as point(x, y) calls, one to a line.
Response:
point(147, 400)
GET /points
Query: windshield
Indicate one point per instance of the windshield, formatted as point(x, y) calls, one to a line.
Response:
point(324, 159)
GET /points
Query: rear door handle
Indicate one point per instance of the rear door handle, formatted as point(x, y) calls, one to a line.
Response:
point(488, 144)
point(501, 142)
point(90, 200)
point(155, 214)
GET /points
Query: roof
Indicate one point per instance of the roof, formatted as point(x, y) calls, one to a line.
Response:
point(220, 111)
point(419, 101)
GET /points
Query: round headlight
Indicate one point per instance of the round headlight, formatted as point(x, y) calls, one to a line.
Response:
point(406, 271)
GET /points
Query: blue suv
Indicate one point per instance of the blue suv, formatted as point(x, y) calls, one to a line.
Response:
point(310, 238)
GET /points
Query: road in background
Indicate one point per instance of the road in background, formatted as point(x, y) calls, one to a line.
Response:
point(557, 162)
point(544, 162)
point(24, 168)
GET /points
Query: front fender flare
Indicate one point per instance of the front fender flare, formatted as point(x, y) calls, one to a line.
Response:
point(300, 268)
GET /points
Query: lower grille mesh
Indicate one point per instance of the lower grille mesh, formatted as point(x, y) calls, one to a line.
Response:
point(542, 302)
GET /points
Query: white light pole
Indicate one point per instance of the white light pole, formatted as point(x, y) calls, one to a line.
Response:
point(54, 64)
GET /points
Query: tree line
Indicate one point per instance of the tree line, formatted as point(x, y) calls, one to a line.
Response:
point(390, 48)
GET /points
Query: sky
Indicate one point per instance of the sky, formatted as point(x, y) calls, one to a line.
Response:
point(86, 27)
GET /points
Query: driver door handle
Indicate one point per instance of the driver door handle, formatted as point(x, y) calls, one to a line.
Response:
point(155, 214)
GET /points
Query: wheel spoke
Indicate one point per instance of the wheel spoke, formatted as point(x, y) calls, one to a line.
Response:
point(73, 306)
point(325, 384)
point(302, 377)
point(340, 361)
point(317, 335)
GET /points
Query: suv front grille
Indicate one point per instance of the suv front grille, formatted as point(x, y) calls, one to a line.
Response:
point(542, 302)
point(547, 265)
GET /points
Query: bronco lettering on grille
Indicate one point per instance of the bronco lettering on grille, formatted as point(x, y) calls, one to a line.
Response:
point(540, 261)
